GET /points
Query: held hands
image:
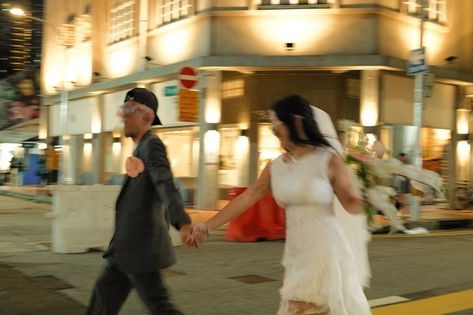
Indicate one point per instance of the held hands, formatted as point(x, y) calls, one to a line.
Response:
point(197, 235)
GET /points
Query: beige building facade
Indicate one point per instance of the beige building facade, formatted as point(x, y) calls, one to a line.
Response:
point(347, 57)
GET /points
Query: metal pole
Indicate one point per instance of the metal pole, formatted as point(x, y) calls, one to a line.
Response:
point(66, 176)
point(418, 100)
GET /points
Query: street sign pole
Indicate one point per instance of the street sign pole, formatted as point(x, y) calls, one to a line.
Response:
point(418, 104)
point(419, 94)
point(418, 68)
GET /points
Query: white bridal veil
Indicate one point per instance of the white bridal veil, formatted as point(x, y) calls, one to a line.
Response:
point(354, 226)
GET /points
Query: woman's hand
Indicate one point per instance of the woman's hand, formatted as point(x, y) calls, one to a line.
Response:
point(199, 233)
point(340, 178)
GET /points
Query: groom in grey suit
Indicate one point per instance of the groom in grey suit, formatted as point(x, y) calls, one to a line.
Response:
point(148, 202)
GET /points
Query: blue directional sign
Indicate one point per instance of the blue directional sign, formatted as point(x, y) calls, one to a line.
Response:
point(416, 63)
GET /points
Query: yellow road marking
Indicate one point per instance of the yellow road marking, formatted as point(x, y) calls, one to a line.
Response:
point(437, 305)
point(431, 234)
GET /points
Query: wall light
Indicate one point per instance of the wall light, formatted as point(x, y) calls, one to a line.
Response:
point(463, 115)
point(149, 61)
point(212, 146)
point(451, 59)
point(98, 76)
point(289, 46)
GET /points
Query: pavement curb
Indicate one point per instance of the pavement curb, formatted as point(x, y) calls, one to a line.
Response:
point(33, 198)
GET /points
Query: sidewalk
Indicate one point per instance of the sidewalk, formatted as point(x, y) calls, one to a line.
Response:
point(30, 193)
point(433, 217)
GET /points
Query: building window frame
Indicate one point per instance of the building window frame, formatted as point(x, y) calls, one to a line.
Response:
point(122, 20)
point(434, 10)
point(168, 11)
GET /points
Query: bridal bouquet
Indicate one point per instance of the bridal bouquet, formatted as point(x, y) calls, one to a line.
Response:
point(359, 158)
point(360, 162)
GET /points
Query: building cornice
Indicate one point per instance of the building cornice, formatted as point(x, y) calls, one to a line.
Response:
point(249, 64)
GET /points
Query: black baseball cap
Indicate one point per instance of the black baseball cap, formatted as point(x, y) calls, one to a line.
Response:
point(145, 97)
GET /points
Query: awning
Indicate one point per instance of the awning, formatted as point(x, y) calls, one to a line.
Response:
point(20, 132)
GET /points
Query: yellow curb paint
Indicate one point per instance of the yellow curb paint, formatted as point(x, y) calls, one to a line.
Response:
point(437, 305)
point(431, 234)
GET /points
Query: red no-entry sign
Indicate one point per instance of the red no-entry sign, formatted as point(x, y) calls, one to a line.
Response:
point(188, 77)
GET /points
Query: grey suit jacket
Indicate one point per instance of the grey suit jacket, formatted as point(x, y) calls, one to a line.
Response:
point(145, 207)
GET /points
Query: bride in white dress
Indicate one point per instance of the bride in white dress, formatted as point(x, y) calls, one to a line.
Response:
point(322, 276)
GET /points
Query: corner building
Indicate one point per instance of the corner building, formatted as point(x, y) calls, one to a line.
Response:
point(347, 57)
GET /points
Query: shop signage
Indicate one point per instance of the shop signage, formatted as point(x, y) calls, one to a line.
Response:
point(188, 105)
point(170, 90)
point(188, 77)
point(416, 63)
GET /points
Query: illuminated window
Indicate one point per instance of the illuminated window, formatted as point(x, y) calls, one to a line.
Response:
point(324, 3)
point(83, 28)
point(170, 10)
point(233, 88)
point(434, 10)
point(67, 37)
point(121, 20)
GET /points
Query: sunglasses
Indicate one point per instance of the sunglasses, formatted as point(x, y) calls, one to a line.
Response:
point(124, 111)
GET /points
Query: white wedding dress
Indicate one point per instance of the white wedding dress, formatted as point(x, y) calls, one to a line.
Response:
point(320, 266)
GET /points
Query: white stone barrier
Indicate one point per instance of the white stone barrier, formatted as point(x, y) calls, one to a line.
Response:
point(83, 217)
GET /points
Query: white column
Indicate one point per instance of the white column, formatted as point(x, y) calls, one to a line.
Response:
point(142, 34)
point(209, 149)
point(97, 140)
point(65, 165)
point(369, 102)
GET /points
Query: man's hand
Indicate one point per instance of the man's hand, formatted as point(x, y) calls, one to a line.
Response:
point(185, 230)
point(200, 232)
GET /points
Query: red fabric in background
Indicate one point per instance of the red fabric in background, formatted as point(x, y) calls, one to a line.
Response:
point(263, 221)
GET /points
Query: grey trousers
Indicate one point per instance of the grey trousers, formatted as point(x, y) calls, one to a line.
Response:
point(113, 286)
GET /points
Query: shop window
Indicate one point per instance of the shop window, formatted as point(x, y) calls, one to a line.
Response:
point(234, 155)
point(434, 144)
point(121, 20)
point(233, 88)
point(179, 145)
point(269, 146)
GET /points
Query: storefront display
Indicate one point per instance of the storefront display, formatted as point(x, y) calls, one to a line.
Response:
point(269, 147)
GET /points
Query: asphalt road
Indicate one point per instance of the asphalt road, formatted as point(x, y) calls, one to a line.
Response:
point(218, 278)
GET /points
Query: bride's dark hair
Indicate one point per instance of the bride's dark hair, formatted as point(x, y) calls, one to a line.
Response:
point(296, 113)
